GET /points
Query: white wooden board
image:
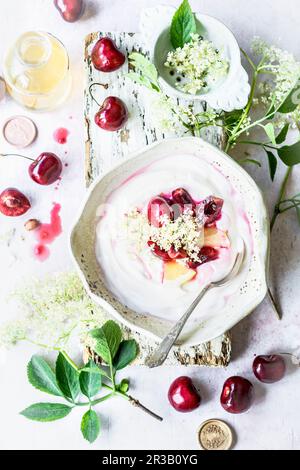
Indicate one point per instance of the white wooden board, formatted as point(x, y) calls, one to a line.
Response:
point(105, 149)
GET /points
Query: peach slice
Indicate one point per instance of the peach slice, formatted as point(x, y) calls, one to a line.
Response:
point(174, 271)
point(215, 238)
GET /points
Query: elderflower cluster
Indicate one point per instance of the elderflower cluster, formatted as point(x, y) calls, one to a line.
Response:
point(200, 64)
point(55, 309)
point(174, 117)
point(183, 233)
point(283, 71)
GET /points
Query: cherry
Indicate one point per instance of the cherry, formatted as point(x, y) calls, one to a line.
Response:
point(237, 395)
point(46, 169)
point(269, 369)
point(13, 203)
point(212, 209)
point(183, 395)
point(70, 10)
point(182, 197)
point(205, 255)
point(112, 114)
point(158, 207)
point(106, 57)
point(157, 251)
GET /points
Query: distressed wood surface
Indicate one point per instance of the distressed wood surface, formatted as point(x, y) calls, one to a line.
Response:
point(105, 149)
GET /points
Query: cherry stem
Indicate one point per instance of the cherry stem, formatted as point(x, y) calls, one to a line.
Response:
point(16, 155)
point(104, 85)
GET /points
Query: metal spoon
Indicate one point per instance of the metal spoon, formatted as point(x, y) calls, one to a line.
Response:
point(160, 354)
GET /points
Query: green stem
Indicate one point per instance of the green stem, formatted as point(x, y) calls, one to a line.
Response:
point(282, 191)
point(95, 402)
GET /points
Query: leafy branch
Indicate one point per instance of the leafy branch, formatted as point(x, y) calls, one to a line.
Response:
point(71, 382)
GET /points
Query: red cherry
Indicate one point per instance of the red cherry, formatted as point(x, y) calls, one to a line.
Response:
point(13, 203)
point(112, 114)
point(46, 169)
point(237, 395)
point(106, 57)
point(157, 208)
point(70, 10)
point(206, 254)
point(269, 369)
point(183, 395)
point(162, 254)
point(212, 209)
point(182, 197)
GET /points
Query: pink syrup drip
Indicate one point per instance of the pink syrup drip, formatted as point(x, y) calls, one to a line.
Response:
point(61, 135)
point(47, 233)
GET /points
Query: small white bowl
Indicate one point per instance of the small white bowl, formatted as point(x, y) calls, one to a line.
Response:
point(200, 328)
point(230, 93)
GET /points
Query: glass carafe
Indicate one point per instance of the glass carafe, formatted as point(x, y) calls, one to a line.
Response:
point(36, 71)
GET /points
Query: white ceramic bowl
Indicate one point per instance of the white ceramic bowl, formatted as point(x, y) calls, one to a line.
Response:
point(232, 92)
point(199, 329)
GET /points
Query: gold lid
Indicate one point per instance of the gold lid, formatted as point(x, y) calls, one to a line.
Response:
point(215, 434)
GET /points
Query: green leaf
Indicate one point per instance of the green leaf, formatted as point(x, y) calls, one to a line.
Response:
point(282, 134)
point(292, 100)
point(106, 340)
point(90, 381)
point(67, 378)
point(42, 377)
point(46, 411)
point(90, 426)
point(298, 213)
point(183, 25)
point(127, 352)
point(272, 164)
point(123, 386)
point(290, 154)
point(270, 131)
point(147, 75)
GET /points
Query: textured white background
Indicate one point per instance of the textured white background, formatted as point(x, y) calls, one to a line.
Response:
point(274, 421)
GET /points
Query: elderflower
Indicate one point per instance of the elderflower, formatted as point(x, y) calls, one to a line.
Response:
point(200, 64)
point(183, 233)
point(283, 71)
point(55, 309)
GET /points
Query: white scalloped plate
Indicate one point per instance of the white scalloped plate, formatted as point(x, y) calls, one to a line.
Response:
point(199, 329)
point(230, 94)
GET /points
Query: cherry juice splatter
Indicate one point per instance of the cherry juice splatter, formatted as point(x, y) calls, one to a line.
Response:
point(61, 135)
point(47, 233)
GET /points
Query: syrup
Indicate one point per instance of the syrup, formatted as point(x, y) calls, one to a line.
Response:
point(61, 135)
point(47, 233)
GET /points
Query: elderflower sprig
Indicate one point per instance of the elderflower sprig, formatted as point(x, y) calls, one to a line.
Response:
point(199, 63)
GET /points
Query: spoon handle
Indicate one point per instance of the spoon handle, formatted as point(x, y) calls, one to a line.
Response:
point(161, 353)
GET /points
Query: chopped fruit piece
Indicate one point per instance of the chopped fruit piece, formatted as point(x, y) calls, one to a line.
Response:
point(158, 207)
point(13, 203)
point(212, 209)
point(174, 271)
point(162, 254)
point(180, 254)
point(215, 238)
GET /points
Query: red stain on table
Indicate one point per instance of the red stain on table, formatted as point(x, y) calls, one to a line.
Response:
point(61, 135)
point(47, 233)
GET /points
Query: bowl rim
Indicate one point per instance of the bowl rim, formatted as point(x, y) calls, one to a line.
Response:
point(108, 307)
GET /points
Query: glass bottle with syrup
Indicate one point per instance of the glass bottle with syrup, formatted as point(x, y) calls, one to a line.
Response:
point(36, 71)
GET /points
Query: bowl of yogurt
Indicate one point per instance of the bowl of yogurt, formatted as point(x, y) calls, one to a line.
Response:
point(161, 226)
